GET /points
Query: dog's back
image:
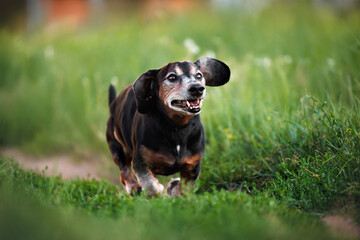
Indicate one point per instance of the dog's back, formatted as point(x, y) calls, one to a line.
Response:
point(122, 111)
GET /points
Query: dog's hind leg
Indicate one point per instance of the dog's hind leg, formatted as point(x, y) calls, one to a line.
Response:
point(124, 163)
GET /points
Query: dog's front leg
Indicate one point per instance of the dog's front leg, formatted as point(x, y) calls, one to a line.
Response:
point(188, 174)
point(176, 187)
point(147, 180)
point(173, 188)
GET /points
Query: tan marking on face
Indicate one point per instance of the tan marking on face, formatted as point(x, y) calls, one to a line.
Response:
point(193, 69)
point(178, 70)
point(166, 88)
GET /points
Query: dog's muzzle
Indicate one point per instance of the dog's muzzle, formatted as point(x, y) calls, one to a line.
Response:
point(191, 105)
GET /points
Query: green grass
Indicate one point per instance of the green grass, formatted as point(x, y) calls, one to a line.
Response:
point(285, 128)
point(35, 207)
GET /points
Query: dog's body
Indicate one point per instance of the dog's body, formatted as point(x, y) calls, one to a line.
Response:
point(154, 124)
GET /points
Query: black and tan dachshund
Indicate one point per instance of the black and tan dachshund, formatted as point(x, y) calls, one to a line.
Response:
point(154, 126)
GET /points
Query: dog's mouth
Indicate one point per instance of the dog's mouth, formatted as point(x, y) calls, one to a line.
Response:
point(191, 105)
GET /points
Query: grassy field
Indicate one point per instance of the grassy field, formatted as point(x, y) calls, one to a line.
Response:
point(284, 129)
point(82, 209)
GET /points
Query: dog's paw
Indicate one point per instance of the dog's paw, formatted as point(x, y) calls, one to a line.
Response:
point(173, 187)
point(154, 189)
point(157, 189)
point(133, 190)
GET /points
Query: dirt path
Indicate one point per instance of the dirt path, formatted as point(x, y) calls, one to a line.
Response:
point(342, 226)
point(63, 165)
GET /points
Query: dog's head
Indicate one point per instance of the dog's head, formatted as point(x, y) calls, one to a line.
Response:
point(179, 86)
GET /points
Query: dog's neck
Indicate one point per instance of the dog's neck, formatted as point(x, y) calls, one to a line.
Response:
point(180, 119)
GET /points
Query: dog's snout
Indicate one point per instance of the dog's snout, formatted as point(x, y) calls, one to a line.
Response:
point(196, 90)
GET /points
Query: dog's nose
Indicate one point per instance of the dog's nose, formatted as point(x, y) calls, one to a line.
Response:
point(196, 90)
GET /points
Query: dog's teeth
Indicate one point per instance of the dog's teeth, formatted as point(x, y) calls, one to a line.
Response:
point(187, 103)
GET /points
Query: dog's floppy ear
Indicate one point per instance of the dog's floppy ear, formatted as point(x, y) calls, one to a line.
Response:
point(143, 90)
point(216, 73)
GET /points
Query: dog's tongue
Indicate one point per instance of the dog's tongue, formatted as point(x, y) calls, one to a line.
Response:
point(192, 103)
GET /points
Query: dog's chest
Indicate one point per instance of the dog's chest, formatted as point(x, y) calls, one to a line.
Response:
point(178, 148)
point(169, 162)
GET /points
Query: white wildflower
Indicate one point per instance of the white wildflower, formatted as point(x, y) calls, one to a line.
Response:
point(210, 53)
point(114, 80)
point(267, 62)
point(263, 62)
point(49, 52)
point(330, 62)
point(191, 46)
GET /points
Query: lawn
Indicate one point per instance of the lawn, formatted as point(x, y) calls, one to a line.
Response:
point(35, 207)
point(282, 147)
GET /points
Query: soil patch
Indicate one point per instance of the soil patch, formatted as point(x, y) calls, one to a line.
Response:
point(342, 226)
point(63, 165)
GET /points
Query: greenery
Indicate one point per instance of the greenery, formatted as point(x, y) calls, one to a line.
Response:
point(103, 212)
point(285, 129)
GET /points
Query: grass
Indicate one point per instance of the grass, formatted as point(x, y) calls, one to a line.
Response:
point(285, 128)
point(49, 208)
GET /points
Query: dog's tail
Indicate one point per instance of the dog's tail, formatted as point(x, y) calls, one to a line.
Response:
point(112, 94)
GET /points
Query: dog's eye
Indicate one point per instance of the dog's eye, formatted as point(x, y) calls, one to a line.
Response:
point(198, 76)
point(172, 77)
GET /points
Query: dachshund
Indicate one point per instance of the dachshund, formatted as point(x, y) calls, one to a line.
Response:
point(154, 126)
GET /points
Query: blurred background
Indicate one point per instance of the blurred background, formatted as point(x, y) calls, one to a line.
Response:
point(30, 15)
point(58, 57)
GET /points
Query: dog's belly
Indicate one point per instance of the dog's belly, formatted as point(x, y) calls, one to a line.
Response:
point(165, 171)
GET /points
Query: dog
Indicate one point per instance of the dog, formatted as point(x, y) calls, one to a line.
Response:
point(154, 126)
